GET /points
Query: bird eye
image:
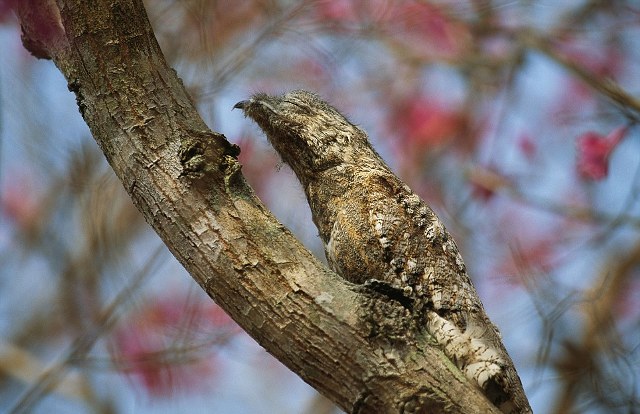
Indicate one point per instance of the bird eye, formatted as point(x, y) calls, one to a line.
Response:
point(301, 109)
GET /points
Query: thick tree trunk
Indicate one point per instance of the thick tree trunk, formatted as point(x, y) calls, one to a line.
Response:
point(185, 179)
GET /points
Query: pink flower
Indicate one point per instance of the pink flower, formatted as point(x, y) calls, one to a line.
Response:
point(533, 254)
point(425, 123)
point(428, 30)
point(527, 146)
point(165, 346)
point(20, 205)
point(337, 10)
point(594, 151)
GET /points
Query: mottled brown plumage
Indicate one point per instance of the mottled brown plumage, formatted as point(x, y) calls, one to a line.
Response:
point(375, 228)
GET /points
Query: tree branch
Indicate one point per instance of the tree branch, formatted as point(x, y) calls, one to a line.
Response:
point(607, 86)
point(186, 181)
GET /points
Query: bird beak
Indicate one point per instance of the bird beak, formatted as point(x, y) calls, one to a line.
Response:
point(241, 105)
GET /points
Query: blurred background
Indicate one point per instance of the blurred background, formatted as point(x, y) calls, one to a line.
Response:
point(516, 120)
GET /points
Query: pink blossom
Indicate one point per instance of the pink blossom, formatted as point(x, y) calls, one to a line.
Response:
point(530, 256)
point(424, 123)
point(337, 10)
point(602, 61)
point(527, 146)
point(158, 345)
point(426, 30)
point(594, 151)
point(19, 203)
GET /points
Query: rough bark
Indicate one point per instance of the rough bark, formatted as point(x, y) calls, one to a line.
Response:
point(187, 182)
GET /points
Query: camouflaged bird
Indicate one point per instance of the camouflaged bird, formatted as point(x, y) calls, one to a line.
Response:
point(375, 228)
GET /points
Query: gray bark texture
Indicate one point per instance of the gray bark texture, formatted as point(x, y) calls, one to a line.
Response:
point(187, 183)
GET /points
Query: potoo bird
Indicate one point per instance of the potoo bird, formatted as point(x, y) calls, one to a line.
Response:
point(374, 228)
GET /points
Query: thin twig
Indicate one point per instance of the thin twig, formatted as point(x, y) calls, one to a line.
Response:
point(83, 344)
